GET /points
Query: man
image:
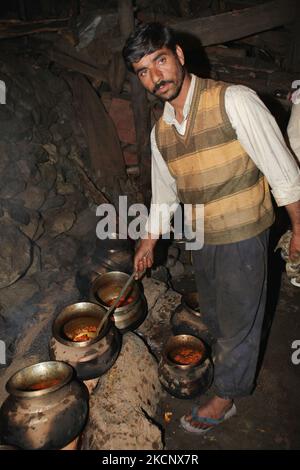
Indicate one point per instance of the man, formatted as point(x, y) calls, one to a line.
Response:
point(215, 145)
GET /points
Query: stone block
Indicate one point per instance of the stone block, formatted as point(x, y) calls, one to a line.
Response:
point(16, 254)
point(58, 220)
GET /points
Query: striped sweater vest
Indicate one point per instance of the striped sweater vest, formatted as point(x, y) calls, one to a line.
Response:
point(211, 167)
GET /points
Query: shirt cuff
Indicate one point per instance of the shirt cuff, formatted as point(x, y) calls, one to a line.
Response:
point(284, 196)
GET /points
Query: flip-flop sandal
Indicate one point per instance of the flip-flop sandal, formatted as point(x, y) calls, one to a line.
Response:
point(295, 282)
point(187, 426)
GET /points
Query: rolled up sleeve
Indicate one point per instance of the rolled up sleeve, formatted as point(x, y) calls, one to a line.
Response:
point(261, 137)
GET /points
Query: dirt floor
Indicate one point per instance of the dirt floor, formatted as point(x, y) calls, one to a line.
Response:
point(270, 418)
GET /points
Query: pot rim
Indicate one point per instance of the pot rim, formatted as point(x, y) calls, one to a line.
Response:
point(78, 344)
point(100, 302)
point(203, 358)
point(12, 384)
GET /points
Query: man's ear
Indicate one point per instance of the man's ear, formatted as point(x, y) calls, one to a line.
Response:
point(180, 54)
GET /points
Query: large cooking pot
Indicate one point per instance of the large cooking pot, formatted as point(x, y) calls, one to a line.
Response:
point(106, 288)
point(75, 342)
point(47, 407)
point(185, 369)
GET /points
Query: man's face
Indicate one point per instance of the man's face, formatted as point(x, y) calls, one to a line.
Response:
point(162, 72)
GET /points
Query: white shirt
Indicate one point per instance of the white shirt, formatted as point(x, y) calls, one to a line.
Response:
point(258, 133)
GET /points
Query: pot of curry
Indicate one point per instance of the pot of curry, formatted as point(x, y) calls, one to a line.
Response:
point(132, 308)
point(185, 369)
point(75, 341)
point(47, 407)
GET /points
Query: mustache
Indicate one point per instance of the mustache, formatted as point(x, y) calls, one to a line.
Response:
point(160, 84)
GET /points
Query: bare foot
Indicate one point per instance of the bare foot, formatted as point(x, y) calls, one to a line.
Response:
point(214, 408)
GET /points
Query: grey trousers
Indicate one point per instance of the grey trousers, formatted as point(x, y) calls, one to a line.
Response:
point(232, 282)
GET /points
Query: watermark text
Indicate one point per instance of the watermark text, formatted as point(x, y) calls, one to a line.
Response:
point(2, 352)
point(2, 92)
point(136, 223)
point(296, 354)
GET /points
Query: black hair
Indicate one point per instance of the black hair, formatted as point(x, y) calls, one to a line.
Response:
point(146, 39)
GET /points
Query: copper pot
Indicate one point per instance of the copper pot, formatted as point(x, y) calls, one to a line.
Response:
point(185, 369)
point(90, 356)
point(47, 407)
point(115, 254)
point(113, 260)
point(106, 288)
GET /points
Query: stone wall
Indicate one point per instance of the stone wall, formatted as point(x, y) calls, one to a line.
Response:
point(47, 224)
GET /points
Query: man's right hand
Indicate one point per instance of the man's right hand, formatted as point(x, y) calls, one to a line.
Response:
point(144, 255)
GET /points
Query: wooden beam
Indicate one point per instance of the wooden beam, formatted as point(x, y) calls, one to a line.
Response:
point(14, 28)
point(222, 51)
point(237, 24)
point(232, 25)
point(275, 41)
